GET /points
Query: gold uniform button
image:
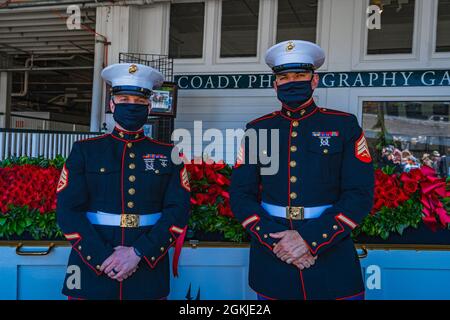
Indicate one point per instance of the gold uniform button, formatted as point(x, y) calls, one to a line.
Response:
point(102, 169)
point(88, 258)
point(325, 151)
point(162, 249)
point(132, 155)
point(131, 191)
point(136, 136)
point(295, 123)
point(292, 163)
point(121, 134)
point(288, 113)
point(79, 247)
point(131, 166)
point(294, 134)
point(293, 148)
point(293, 179)
point(130, 204)
point(325, 236)
point(156, 171)
point(335, 227)
point(258, 228)
point(153, 258)
point(129, 144)
point(302, 112)
point(293, 195)
point(97, 267)
point(266, 236)
point(132, 178)
point(314, 244)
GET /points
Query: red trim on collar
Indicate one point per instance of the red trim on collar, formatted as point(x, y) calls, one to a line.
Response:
point(303, 106)
point(124, 140)
point(128, 132)
point(299, 119)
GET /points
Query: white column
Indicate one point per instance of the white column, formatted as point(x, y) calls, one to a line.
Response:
point(5, 99)
point(97, 85)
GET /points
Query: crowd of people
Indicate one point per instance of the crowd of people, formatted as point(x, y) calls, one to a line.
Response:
point(404, 160)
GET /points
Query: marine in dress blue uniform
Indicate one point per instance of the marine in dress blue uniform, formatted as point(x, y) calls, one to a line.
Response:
point(322, 189)
point(123, 189)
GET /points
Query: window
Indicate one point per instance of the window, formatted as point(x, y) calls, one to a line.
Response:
point(408, 134)
point(297, 20)
point(239, 33)
point(186, 30)
point(397, 28)
point(443, 27)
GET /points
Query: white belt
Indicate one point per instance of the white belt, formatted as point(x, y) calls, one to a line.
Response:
point(297, 213)
point(123, 220)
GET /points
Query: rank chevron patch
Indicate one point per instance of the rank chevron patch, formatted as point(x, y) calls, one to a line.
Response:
point(63, 179)
point(185, 179)
point(362, 149)
point(240, 157)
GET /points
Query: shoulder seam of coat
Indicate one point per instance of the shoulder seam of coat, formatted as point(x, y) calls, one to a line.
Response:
point(160, 142)
point(267, 116)
point(334, 112)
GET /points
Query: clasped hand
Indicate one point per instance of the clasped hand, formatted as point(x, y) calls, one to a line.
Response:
point(121, 264)
point(292, 249)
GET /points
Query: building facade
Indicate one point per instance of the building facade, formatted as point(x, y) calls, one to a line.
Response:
point(387, 61)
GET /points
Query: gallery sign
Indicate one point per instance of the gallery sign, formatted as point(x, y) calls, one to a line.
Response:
point(366, 79)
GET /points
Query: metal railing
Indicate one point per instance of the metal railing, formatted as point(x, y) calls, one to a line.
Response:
point(35, 123)
point(35, 143)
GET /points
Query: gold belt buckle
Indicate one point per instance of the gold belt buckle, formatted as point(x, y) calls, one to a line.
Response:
point(129, 220)
point(295, 213)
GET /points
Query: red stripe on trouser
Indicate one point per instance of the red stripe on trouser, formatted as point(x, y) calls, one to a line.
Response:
point(73, 298)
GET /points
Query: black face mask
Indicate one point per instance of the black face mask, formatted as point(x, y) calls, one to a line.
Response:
point(294, 94)
point(130, 116)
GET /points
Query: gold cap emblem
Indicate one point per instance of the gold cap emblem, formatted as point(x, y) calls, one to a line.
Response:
point(132, 69)
point(290, 46)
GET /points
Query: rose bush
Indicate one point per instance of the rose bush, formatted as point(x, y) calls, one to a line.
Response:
point(404, 200)
point(28, 200)
point(28, 197)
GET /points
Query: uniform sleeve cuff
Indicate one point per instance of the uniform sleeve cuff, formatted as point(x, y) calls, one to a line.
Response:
point(92, 258)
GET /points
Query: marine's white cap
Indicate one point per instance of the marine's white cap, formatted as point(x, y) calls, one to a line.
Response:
point(294, 56)
point(132, 78)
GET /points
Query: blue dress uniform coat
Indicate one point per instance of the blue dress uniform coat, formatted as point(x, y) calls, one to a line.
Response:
point(324, 160)
point(112, 173)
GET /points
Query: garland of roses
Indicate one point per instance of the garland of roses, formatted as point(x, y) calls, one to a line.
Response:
point(28, 197)
point(28, 200)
